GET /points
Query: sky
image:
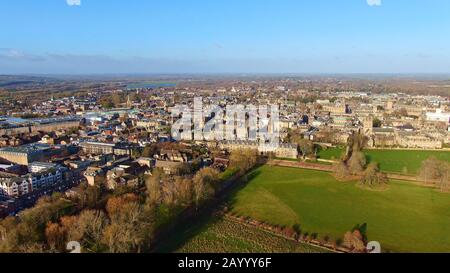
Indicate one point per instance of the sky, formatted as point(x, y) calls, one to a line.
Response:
point(224, 36)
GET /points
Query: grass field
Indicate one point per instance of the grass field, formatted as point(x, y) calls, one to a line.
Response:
point(395, 161)
point(331, 153)
point(404, 218)
point(220, 235)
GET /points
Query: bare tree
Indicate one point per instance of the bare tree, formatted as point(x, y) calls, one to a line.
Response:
point(205, 184)
point(434, 171)
point(130, 228)
point(244, 159)
point(373, 177)
point(341, 170)
point(357, 162)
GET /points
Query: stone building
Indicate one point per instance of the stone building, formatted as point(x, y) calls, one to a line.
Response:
point(96, 148)
point(94, 175)
point(340, 108)
point(418, 141)
point(25, 154)
point(280, 150)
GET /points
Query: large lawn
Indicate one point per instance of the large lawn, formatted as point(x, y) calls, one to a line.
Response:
point(395, 161)
point(404, 218)
point(331, 153)
point(403, 161)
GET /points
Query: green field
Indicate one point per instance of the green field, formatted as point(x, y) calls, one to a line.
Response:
point(331, 153)
point(403, 161)
point(395, 161)
point(404, 218)
point(221, 235)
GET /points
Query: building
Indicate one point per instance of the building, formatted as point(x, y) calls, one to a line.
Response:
point(280, 150)
point(97, 148)
point(418, 141)
point(147, 124)
point(368, 125)
point(119, 176)
point(439, 115)
point(36, 167)
point(367, 130)
point(14, 187)
point(17, 186)
point(94, 175)
point(25, 154)
point(11, 169)
point(43, 125)
point(146, 161)
point(412, 110)
point(335, 108)
point(174, 155)
point(384, 137)
point(169, 167)
point(341, 120)
point(286, 151)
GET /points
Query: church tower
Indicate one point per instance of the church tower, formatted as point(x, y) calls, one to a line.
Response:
point(368, 125)
point(129, 103)
point(368, 130)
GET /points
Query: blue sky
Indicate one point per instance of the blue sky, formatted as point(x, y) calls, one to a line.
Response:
point(224, 36)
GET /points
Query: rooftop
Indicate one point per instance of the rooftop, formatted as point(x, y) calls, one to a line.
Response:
point(25, 149)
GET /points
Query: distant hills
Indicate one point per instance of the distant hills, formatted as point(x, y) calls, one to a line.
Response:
point(12, 81)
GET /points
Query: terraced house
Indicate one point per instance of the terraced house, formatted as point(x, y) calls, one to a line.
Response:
point(14, 187)
point(17, 186)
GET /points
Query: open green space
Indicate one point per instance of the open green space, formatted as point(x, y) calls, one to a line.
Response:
point(405, 217)
point(334, 153)
point(394, 161)
point(403, 161)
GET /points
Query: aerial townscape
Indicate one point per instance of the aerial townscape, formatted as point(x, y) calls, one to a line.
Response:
point(71, 160)
point(246, 128)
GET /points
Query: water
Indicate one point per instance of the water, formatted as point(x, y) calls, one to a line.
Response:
point(152, 85)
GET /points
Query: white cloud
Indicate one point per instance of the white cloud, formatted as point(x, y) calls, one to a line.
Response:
point(11, 53)
point(73, 2)
point(18, 55)
point(374, 2)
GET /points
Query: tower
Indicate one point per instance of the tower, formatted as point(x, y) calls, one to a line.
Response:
point(390, 106)
point(368, 130)
point(129, 104)
point(368, 126)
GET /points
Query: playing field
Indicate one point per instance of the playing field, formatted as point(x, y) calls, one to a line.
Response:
point(395, 161)
point(404, 218)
